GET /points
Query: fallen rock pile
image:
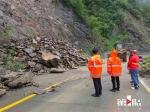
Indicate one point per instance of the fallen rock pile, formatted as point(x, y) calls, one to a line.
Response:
point(15, 80)
point(2, 89)
point(40, 54)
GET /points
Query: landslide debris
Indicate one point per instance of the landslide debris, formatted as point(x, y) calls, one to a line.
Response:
point(145, 68)
point(38, 55)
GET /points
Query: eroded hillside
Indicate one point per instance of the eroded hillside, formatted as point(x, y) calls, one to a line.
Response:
point(36, 18)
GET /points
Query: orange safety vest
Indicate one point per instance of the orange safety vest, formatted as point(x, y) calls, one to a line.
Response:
point(114, 67)
point(95, 66)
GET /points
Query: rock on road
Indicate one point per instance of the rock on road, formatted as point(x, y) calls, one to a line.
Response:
point(75, 95)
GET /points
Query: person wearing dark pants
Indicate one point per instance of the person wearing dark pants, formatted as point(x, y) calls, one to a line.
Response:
point(115, 80)
point(95, 68)
point(97, 86)
point(114, 69)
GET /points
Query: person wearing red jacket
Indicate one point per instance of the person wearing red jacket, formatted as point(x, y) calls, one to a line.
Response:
point(95, 68)
point(114, 69)
point(129, 70)
point(133, 66)
point(140, 57)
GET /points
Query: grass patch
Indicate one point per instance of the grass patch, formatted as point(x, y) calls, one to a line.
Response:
point(15, 66)
point(30, 30)
point(7, 31)
point(88, 52)
point(6, 59)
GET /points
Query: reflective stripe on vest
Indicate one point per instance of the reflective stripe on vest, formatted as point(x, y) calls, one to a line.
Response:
point(95, 75)
point(135, 63)
point(111, 68)
point(95, 66)
point(116, 74)
point(98, 66)
point(114, 66)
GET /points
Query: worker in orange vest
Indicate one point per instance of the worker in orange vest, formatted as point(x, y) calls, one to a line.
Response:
point(95, 68)
point(114, 69)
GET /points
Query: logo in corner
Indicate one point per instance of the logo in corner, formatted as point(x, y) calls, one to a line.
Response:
point(129, 101)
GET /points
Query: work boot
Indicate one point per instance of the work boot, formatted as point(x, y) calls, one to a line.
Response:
point(113, 90)
point(137, 87)
point(117, 89)
point(131, 81)
point(94, 95)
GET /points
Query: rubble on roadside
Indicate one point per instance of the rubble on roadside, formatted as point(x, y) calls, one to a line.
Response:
point(16, 80)
point(42, 91)
point(2, 91)
point(144, 68)
point(40, 54)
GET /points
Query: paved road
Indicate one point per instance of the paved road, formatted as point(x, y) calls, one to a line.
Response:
point(75, 95)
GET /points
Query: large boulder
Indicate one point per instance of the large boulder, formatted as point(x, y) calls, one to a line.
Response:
point(16, 79)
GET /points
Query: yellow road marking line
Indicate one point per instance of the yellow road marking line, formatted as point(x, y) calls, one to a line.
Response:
point(143, 83)
point(60, 82)
point(32, 95)
point(17, 102)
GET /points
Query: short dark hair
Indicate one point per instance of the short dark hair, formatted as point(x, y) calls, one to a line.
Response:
point(95, 50)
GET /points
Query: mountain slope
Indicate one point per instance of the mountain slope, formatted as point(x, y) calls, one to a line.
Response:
point(36, 18)
point(116, 20)
point(85, 23)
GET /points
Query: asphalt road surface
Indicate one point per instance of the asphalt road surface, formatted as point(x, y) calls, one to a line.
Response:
point(74, 95)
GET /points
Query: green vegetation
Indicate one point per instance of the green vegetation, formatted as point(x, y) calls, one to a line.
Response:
point(8, 29)
point(116, 39)
point(88, 52)
point(144, 6)
point(148, 41)
point(15, 66)
point(102, 16)
point(30, 30)
point(72, 25)
point(8, 58)
point(147, 62)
